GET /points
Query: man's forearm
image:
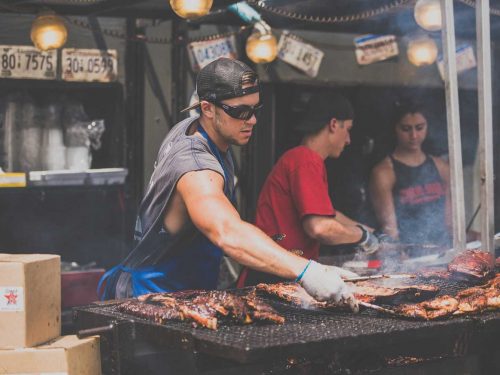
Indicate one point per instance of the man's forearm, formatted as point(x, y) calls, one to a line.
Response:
point(251, 247)
point(330, 231)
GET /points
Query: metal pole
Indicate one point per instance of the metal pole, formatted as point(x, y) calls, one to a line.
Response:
point(453, 119)
point(485, 123)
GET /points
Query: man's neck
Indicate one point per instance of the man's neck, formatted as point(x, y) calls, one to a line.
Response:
point(214, 136)
point(316, 144)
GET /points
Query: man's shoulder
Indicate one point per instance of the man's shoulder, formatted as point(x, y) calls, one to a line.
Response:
point(301, 154)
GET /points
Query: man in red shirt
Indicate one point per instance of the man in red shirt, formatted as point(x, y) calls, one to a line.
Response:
point(294, 200)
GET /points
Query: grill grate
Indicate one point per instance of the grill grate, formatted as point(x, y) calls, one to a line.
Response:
point(304, 332)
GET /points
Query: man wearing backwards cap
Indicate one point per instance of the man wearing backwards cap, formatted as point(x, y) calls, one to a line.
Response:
point(294, 200)
point(186, 220)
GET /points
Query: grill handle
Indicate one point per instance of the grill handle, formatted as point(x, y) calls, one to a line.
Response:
point(95, 331)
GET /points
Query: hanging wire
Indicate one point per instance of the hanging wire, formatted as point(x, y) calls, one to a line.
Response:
point(335, 19)
point(472, 4)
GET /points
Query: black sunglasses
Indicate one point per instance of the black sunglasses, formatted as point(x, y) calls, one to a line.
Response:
point(240, 112)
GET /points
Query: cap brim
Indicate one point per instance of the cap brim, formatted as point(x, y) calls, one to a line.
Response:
point(192, 106)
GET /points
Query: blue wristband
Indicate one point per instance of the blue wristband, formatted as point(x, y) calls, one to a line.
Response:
point(303, 271)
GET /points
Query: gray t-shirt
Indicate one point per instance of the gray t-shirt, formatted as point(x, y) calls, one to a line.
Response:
point(179, 154)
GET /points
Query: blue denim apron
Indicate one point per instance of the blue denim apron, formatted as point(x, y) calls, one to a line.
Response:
point(195, 267)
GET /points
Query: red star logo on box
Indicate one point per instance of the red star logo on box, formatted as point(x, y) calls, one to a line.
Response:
point(11, 298)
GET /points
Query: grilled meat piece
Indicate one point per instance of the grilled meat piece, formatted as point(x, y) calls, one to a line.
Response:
point(473, 264)
point(436, 308)
point(261, 310)
point(493, 298)
point(494, 283)
point(158, 314)
point(391, 290)
point(413, 310)
point(202, 315)
point(364, 298)
point(472, 304)
point(291, 292)
point(225, 303)
point(203, 308)
point(434, 274)
point(439, 307)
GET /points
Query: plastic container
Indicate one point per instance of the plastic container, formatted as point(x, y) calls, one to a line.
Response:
point(57, 178)
point(106, 176)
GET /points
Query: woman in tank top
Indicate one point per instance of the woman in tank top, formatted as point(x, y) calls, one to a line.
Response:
point(409, 189)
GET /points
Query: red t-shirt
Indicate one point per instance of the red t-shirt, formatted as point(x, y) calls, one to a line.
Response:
point(297, 186)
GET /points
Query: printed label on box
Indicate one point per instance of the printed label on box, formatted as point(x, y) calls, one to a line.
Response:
point(11, 298)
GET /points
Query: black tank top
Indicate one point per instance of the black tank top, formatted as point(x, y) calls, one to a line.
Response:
point(419, 198)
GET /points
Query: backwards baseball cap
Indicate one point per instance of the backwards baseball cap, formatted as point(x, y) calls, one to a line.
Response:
point(222, 79)
point(321, 108)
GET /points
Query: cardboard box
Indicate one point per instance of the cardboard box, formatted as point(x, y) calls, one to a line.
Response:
point(80, 287)
point(66, 355)
point(30, 299)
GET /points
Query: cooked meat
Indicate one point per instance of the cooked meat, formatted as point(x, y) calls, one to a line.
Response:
point(439, 307)
point(413, 310)
point(367, 288)
point(202, 315)
point(472, 304)
point(494, 283)
point(433, 274)
point(384, 293)
point(292, 292)
point(158, 314)
point(492, 298)
point(470, 292)
point(364, 298)
point(261, 310)
point(436, 308)
point(204, 308)
point(474, 264)
point(225, 303)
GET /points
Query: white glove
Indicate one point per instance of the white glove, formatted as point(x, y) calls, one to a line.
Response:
point(324, 283)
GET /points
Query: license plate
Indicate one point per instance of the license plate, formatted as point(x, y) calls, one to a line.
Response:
point(89, 65)
point(27, 62)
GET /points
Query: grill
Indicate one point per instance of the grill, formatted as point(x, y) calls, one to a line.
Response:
point(307, 333)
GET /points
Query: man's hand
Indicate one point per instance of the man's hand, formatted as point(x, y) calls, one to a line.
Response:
point(325, 283)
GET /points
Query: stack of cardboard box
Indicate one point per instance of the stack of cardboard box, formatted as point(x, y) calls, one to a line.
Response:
point(30, 321)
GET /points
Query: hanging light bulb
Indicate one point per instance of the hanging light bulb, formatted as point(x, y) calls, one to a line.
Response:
point(262, 46)
point(191, 8)
point(428, 14)
point(48, 31)
point(422, 51)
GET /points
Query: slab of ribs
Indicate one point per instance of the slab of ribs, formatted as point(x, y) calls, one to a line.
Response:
point(363, 291)
point(202, 308)
point(471, 265)
point(467, 301)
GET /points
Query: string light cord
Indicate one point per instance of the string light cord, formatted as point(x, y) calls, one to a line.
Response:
point(330, 20)
point(472, 4)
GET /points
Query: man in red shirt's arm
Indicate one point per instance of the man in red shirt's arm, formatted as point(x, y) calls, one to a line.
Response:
point(294, 199)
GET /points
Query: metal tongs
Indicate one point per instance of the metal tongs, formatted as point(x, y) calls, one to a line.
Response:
point(382, 276)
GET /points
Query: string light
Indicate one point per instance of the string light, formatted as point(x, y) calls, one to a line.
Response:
point(48, 31)
point(422, 51)
point(191, 8)
point(428, 14)
point(261, 46)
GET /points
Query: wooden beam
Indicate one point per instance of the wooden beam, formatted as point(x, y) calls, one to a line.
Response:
point(453, 119)
point(485, 124)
